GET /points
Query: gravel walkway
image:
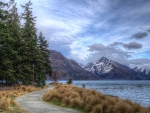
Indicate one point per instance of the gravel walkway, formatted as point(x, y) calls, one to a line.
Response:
point(33, 103)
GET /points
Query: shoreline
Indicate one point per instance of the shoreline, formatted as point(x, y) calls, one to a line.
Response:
point(73, 96)
point(136, 91)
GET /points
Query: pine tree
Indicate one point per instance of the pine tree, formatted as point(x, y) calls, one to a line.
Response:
point(3, 17)
point(39, 69)
point(9, 43)
point(14, 29)
point(43, 46)
point(6, 68)
point(23, 58)
point(33, 59)
point(29, 45)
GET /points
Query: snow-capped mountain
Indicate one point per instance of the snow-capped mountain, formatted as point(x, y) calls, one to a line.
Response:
point(145, 70)
point(70, 67)
point(101, 66)
point(108, 69)
point(102, 69)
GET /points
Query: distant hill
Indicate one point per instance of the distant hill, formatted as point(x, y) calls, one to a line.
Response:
point(102, 69)
point(145, 70)
point(108, 69)
point(70, 67)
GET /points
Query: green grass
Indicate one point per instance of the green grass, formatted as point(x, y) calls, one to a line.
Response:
point(58, 103)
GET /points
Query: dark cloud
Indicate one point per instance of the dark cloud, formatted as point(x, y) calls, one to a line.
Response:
point(139, 61)
point(139, 35)
point(148, 30)
point(132, 45)
point(99, 50)
point(116, 43)
point(97, 47)
point(107, 50)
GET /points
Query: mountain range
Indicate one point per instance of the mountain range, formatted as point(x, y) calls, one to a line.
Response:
point(144, 70)
point(70, 67)
point(108, 69)
point(102, 69)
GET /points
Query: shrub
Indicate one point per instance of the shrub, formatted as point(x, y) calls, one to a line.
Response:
point(83, 85)
point(69, 81)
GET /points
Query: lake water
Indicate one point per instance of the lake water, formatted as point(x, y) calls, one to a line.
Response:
point(137, 91)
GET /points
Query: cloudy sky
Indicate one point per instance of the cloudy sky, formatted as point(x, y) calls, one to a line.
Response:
point(86, 30)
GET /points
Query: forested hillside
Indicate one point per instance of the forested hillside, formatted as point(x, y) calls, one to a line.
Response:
point(24, 55)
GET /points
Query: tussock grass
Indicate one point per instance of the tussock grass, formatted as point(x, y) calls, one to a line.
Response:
point(97, 109)
point(4, 103)
point(91, 100)
point(7, 96)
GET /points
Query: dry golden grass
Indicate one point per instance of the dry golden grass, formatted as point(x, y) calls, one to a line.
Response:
point(4, 103)
point(6, 96)
point(91, 100)
point(97, 109)
point(54, 83)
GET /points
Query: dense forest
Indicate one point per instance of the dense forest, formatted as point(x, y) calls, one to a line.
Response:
point(24, 55)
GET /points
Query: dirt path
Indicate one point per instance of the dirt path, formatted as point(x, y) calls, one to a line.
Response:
point(33, 103)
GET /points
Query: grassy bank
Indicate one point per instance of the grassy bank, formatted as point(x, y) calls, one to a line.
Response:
point(91, 101)
point(8, 94)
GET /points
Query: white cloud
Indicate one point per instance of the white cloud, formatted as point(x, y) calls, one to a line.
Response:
point(72, 25)
point(79, 51)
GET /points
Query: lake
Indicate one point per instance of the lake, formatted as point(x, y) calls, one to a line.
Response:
point(137, 90)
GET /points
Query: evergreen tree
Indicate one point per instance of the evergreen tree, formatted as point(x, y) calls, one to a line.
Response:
point(39, 69)
point(33, 60)
point(23, 57)
point(9, 43)
point(43, 46)
point(29, 45)
point(6, 68)
point(15, 44)
point(2, 33)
